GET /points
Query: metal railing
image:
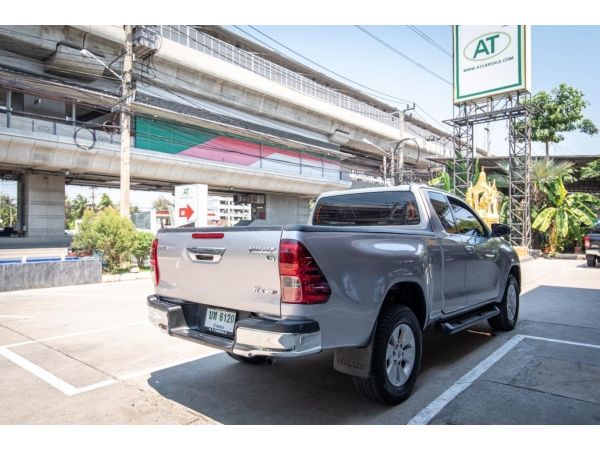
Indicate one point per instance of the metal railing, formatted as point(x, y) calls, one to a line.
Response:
point(32, 124)
point(192, 38)
point(317, 169)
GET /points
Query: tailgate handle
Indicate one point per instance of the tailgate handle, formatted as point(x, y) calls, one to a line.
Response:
point(205, 254)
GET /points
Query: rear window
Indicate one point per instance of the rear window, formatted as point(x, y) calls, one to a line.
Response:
point(367, 208)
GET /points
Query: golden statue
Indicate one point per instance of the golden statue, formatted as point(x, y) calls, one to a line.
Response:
point(484, 198)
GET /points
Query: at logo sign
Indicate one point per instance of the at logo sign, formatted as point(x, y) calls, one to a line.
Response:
point(487, 46)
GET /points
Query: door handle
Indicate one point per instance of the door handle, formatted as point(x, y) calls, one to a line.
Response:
point(205, 254)
point(470, 248)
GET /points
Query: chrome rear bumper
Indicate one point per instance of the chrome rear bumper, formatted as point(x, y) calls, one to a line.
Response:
point(252, 337)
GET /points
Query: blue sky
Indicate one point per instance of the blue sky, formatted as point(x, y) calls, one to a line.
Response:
point(559, 54)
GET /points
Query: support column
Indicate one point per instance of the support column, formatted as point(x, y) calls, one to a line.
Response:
point(519, 176)
point(463, 151)
point(44, 206)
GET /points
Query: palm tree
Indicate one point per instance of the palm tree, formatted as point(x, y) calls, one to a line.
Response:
point(565, 213)
point(547, 171)
point(8, 211)
point(162, 203)
point(105, 201)
point(79, 205)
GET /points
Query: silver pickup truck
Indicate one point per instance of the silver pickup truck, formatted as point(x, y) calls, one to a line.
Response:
point(374, 268)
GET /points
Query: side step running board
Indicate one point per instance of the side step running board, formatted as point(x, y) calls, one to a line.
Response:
point(461, 323)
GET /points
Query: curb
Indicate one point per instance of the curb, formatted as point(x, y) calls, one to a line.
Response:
point(569, 256)
point(109, 278)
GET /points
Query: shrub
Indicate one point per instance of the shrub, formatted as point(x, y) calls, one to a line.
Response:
point(142, 242)
point(110, 234)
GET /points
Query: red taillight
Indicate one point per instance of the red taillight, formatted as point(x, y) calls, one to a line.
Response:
point(207, 235)
point(301, 278)
point(587, 242)
point(154, 262)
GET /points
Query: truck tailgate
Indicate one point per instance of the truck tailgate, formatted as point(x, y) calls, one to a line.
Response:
point(232, 268)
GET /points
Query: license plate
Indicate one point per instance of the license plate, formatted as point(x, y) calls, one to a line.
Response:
point(219, 321)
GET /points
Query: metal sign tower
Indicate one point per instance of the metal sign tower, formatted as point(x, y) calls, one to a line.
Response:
point(491, 83)
point(511, 107)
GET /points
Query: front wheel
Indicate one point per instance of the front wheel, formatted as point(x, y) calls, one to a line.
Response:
point(396, 357)
point(509, 307)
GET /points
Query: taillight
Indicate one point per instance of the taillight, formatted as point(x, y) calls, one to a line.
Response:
point(207, 235)
point(154, 262)
point(301, 278)
point(587, 242)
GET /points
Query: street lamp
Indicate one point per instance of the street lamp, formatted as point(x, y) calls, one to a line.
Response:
point(385, 155)
point(85, 52)
point(401, 164)
point(127, 93)
point(392, 155)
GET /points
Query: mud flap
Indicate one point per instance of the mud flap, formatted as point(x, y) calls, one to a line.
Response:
point(355, 361)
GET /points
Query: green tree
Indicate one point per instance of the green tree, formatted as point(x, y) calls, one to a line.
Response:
point(142, 242)
point(108, 233)
point(79, 205)
point(591, 170)
point(162, 203)
point(8, 211)
point(566, 213)
point(105, 202)
point(442, 181)
point(558, 112)
point(544, 173)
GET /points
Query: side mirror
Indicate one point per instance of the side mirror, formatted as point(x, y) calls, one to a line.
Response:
point(500, 230)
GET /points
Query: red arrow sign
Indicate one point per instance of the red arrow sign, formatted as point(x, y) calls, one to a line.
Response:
point(186, 212)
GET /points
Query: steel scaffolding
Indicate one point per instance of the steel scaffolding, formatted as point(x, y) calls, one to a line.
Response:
point(511, 107)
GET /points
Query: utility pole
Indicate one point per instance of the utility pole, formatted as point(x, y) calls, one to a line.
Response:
point(127, 92)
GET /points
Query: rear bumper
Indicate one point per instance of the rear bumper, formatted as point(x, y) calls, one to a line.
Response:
point(252, 337)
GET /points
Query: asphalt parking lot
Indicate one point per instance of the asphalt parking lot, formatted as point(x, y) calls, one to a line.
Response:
point(87, 355)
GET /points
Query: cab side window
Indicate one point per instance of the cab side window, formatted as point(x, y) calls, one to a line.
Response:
point(443, 211)
point(466, 222)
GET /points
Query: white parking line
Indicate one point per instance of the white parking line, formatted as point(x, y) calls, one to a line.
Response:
point(4, 316)
point(70, 390)
point(81, 333)
point(424, 416)
point(36, 370)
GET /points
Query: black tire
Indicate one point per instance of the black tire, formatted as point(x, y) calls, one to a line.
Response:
point(377, 386)
point(506, 320)
point(253, 360)
point(591, 260)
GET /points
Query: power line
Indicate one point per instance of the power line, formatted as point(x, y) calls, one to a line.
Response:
point(398, 52)
point(335, 73)
point(319, 65)
point(433, 118)
point(428, 39)
point(74, 58)
point(203, 107)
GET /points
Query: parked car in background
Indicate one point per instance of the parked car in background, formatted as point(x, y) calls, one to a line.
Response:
point(591, 242)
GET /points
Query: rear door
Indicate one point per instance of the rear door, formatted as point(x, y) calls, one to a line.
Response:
point(455, 255)
point(232, 268)
point(483, 254)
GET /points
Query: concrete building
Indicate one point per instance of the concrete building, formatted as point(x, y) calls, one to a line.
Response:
point(210, 107)
point(224, 211)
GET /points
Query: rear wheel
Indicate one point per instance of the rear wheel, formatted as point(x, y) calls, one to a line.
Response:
point(509, 307)
point(396, 357)
point(591, 260)
point(249, 360)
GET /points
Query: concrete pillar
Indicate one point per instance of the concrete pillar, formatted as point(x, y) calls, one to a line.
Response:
point(285, 210)
point(44, 206)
